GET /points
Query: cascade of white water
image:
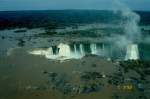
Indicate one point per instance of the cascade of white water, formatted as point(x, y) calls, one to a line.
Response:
point(93, 49)
point(132, 52)
point(82, 50)
point(64, 50)
point(75, 49)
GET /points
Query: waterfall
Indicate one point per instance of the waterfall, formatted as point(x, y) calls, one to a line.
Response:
point(93, 49)
point(64, 50)
point(82, 50)
point(75, 49)
point(132, 52)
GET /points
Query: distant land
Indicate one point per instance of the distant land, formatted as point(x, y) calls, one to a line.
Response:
point(60, 18)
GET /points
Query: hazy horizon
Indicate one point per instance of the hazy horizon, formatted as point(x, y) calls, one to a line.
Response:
point(66, 10)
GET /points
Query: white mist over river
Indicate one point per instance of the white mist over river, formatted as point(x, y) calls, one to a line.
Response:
point(130, 21)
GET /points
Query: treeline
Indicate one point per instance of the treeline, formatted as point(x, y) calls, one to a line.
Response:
point(59, 18)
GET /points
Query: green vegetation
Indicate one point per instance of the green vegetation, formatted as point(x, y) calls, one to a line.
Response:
point(22, 30)
point(59, 18)
point(140, 66)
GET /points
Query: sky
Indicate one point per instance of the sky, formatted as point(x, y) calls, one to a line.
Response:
point(11, 5)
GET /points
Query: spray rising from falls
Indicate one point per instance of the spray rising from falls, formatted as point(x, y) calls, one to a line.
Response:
point(129, 21)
